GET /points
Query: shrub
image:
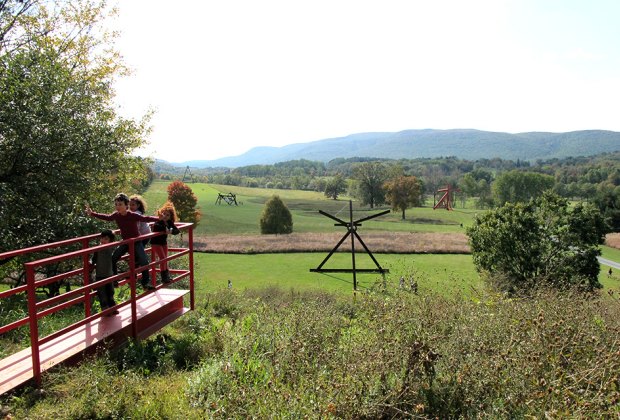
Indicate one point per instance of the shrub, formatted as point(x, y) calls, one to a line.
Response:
point(276, 217)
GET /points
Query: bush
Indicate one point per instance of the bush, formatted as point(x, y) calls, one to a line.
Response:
point(276, 217)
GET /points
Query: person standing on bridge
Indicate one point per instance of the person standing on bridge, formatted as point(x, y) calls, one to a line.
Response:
point(167, 216)
point(138, 205)
point(127, 222)
point(102, 264)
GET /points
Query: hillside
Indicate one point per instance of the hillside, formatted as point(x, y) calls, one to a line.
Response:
point(410, 144)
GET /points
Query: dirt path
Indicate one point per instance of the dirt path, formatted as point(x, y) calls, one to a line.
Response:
point(379, 242)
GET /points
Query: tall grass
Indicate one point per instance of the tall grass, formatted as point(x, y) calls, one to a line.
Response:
point(274, 353)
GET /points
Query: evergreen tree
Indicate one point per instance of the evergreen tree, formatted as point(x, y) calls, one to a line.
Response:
point(276, 217)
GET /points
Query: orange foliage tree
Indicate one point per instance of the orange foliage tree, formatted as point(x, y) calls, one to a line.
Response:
point(184, 200)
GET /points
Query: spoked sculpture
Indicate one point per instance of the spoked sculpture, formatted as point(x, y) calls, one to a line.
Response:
point(351, 226)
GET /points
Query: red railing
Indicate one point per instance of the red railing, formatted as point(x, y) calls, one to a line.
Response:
point(38, 309)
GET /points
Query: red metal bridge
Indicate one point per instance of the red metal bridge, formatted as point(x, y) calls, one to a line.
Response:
point(140, 314)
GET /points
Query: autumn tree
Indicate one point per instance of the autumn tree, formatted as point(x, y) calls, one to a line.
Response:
point(185, 201)
point(370, 177)
point(276, 217)
point(403, 192)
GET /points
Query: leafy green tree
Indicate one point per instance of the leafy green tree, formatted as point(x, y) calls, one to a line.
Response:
point(61, 141)
point(607, 199)
point(276, 217)
point(185, 201)
point(544, 242)
point(403, 192)
point(335, 186)
point(519, 187)
point(370, 178)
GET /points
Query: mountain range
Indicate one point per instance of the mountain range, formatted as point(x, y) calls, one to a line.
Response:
point(410, 144)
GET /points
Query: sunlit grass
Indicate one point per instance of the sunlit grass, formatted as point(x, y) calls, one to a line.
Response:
point(304, 206)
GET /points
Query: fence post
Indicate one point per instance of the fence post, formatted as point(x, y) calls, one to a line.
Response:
point(86, 279)
point(34, 325)
point(190, 238)
point(132, 286)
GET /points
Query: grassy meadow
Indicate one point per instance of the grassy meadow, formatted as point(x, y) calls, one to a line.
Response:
point(442, 273)
point(304, 206)
point(288, 343)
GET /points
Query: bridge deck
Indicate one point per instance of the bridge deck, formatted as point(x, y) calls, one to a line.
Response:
point(154, 311)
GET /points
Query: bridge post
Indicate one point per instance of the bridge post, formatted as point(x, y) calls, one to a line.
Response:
point(86, 278)
point(132, 287)
point(190, 238)
point(34, 323)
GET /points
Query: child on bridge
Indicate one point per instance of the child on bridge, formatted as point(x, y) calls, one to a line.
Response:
point(102, 262)
point(167, 217)
point(127, 222)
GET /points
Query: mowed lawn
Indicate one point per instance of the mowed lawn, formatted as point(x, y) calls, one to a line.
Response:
point(304, 206)
point(444, 274)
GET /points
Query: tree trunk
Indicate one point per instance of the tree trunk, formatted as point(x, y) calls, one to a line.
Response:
point(403, 214)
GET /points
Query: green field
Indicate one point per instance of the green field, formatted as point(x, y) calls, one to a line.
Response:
point(449, 273)
point(442, 273)
point(304, 206)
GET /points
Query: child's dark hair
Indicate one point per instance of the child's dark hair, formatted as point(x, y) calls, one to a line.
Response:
point(108, 234)
point(140, 202)
point(122, 197)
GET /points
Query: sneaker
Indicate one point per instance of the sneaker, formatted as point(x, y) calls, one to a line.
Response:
point(148, 287)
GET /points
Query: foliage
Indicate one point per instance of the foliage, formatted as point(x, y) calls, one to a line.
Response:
point(370, 177)
point(276, 217)
point(61, 141)
point(385, 355)
point(519, 187)
point(607, 200)
point(184, 200)
point(335, 186)
point(541, 243)
point(403, 192)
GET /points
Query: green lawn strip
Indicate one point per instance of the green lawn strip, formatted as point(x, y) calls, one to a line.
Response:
point(438, 272)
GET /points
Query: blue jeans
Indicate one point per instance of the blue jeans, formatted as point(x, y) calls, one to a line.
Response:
point(141, 259)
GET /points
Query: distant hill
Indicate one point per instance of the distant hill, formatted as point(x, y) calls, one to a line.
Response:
point(410, 144)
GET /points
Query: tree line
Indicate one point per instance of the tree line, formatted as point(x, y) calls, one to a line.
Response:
point(482, 183)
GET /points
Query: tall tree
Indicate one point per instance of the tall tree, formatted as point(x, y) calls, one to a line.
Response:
point(403, 192)
point(519, 186)
point(371, 177)
point(185, 201)
point(335, 186)
point(276, 217)
point(61, 141)
point(544, 242)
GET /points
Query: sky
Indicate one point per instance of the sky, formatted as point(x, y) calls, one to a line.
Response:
point(225, 76)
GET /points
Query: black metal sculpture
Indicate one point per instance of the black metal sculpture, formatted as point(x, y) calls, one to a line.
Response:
point(229, 198)
point(351, 226)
